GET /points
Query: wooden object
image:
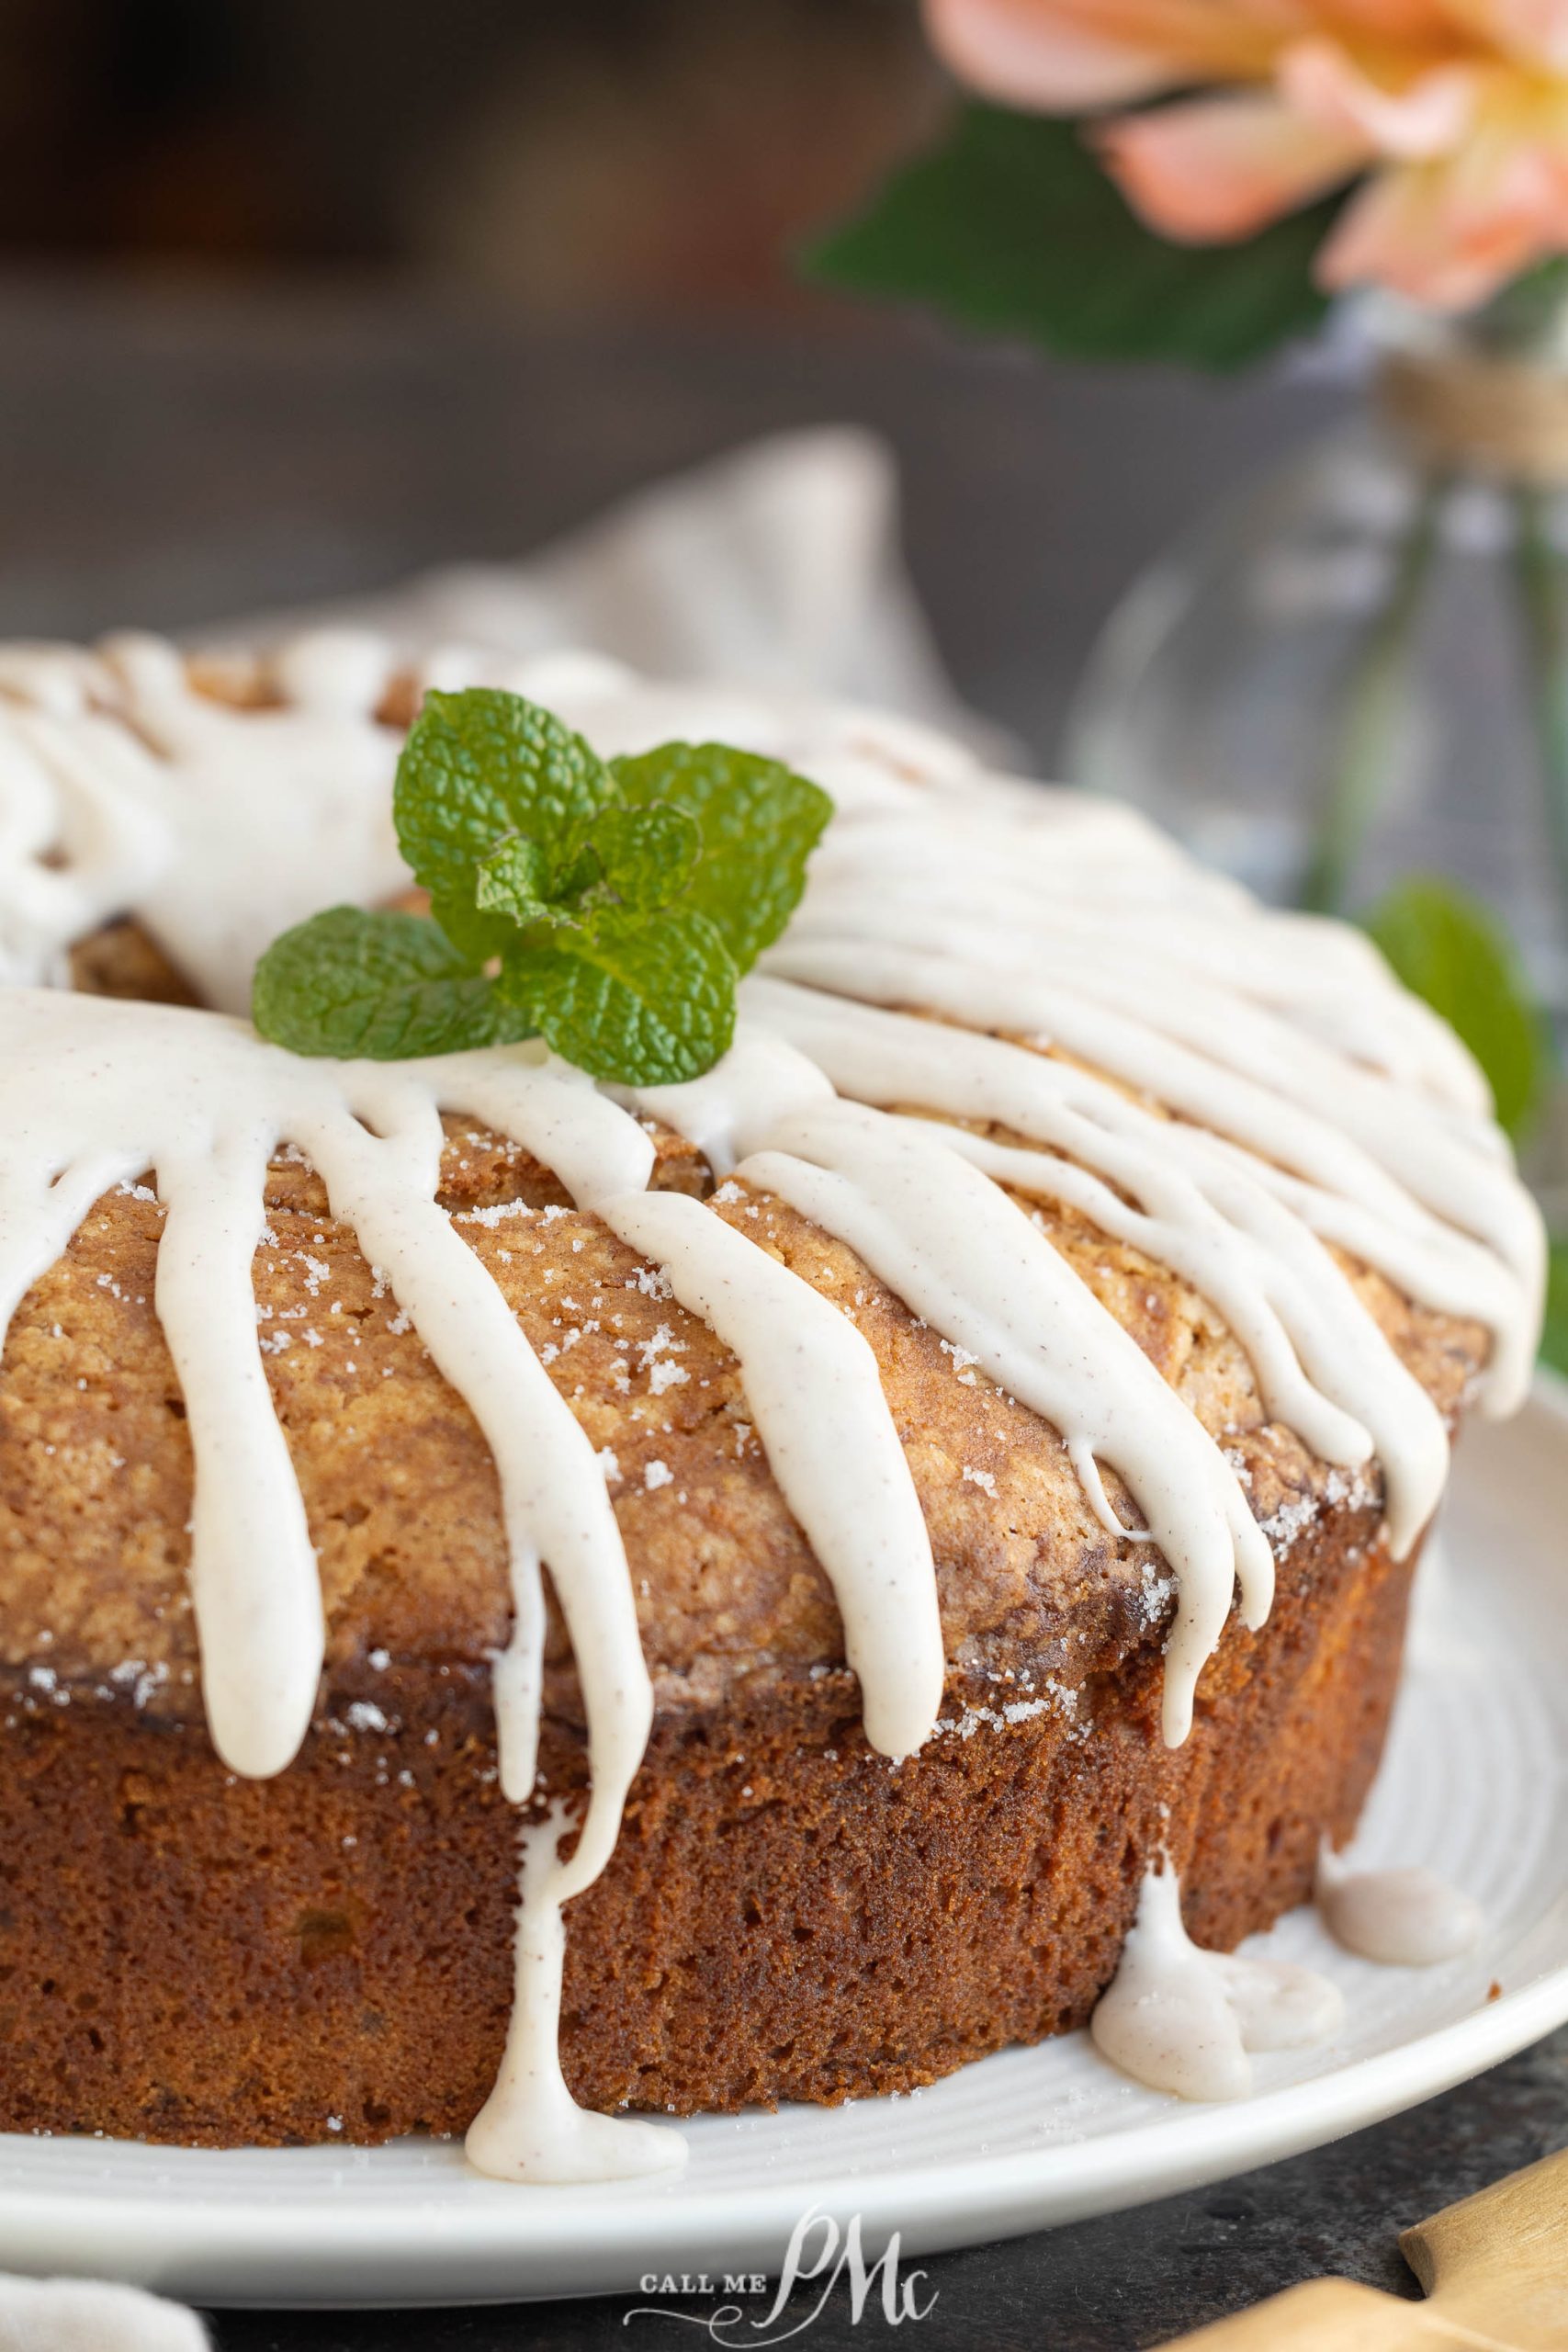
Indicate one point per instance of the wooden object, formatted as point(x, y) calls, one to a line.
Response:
point(1495, 2271)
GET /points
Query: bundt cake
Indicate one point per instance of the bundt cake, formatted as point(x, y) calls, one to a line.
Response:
point(849, 1516)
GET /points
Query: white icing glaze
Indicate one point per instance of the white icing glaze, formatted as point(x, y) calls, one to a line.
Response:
point(121, 786)
point(1267, 1096)
point(1186, 2020)
point(815, 1394)
point(955, 1250)
point(1024, 854)
point(124, 788)
point(1406, 1919)
point(1323, 1366)
point(1395, 1152)
point(530, 2128)
point(78, 840)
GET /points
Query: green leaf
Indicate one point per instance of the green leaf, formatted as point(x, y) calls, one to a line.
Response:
point(477, 766)
point(760, 823)
point(1448, 947)
point(383, 986)
point(647, 854)
point(638, 1000)
point(1012, 227)
point(1554, 1334)
point(607, 911)
point(511, 881)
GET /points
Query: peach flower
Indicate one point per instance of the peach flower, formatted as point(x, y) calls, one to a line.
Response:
point(1453, 115)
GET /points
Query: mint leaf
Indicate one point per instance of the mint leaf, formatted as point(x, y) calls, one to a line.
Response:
point(1448, 947)
point(477, 766)
point(647, 854)
point(642, 1000)
point(384, 985)
point(758, 823)
point(1012, 226)
point(511, 881)
point(607, 910)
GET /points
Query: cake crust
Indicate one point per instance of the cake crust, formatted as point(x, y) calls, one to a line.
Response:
point(195, 1959)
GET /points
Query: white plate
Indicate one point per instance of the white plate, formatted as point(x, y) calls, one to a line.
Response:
point(1470, 1784)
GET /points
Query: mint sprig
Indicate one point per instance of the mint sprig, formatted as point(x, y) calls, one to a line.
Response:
point(608, 907)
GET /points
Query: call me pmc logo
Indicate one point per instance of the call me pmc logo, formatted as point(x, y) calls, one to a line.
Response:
point(837, 2255)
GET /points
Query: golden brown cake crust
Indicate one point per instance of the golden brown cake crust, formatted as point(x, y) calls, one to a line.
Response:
point(190, 1957)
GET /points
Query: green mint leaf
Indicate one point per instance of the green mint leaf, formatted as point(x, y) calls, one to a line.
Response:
point(511, 881)
point(1451, 949)
point(1012, 227)
point(759, 822)
point(612, 912)
point(639, 1000)
point(482, 934)
point(647, 854)
point(385, 987)
point(478, 766)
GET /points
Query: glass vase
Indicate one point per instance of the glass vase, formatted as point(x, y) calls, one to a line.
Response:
point(1357, 669)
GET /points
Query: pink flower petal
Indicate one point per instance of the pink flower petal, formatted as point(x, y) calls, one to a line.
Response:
point(1038, 58)
point(1413, 229)
point(1210, 171)
point(1428, 114)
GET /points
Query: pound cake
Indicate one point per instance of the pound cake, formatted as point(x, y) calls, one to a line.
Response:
point(847, 1518)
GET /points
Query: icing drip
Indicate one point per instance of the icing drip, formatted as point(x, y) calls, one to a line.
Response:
point(957, 1252)
point(1323, 1366)
point(1405, 1919)
point(1024, 854)
point(530, 2128)
point(1408, 1154)
point(815, 1394)
point(98, 1091)
point(1186, 2020)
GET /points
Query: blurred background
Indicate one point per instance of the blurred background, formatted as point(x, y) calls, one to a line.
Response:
point(296, 296)
point(568, 160)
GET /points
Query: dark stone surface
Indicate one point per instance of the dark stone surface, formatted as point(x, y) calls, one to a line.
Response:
point(168, 458)
point(1128, 2279)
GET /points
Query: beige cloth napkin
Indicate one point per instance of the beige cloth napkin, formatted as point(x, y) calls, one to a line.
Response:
point(777, 566)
